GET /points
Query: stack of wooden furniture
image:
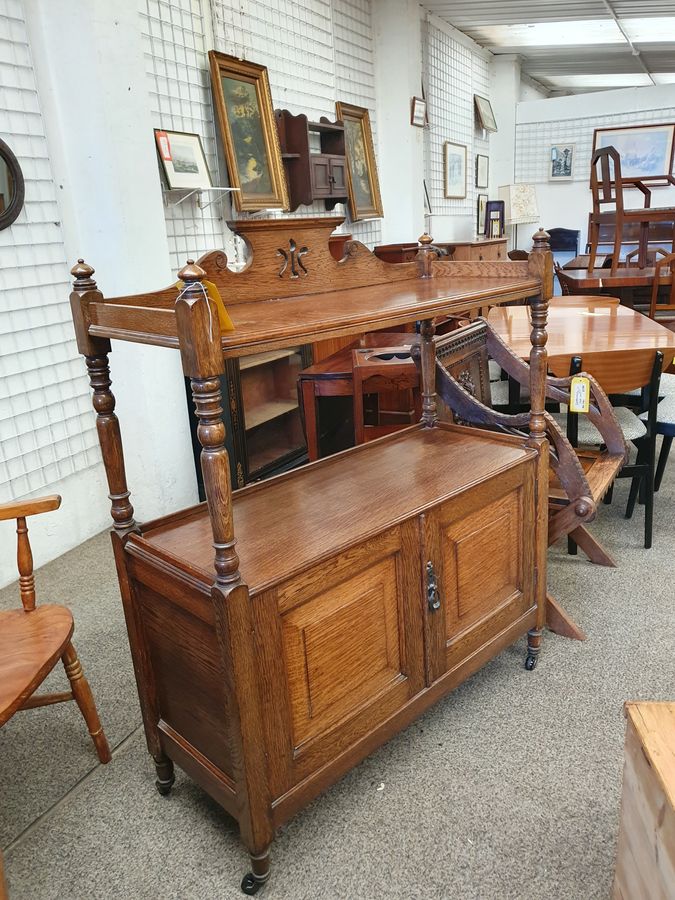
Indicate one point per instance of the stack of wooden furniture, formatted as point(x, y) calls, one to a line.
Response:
point(281, 633)
point(478, 249)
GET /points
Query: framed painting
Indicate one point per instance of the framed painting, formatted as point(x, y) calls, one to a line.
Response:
point(561, 165)
point(646, 150)
point(454, 171)
point(486, 118)
point(363, 187)
point(481, 208)
point(418, 112)
point(241, 92)
point(183, 162)
point(482, 170)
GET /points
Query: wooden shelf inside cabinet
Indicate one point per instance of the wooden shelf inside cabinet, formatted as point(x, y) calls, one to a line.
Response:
point(265, 412)
point(312, 176)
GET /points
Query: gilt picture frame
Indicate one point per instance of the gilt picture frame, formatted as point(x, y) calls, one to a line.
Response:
point(363, 186)
point(484, 114)
point(243, 101)
point(646, 151)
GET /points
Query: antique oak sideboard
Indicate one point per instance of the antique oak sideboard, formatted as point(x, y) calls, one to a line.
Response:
point(359, 589)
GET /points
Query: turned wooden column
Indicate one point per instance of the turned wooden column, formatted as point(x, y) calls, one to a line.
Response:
point(95, 351)
point(203, 363)
point(428, 372)
point(202, 357)
point(541, 267)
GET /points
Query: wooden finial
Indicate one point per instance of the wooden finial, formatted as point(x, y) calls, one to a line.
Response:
point(82, 273)
point(191, 272)
point(540, 240)
point(425, 255)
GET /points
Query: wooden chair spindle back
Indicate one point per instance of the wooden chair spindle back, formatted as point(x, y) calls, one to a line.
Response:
point(606, 178)
point(20, 510)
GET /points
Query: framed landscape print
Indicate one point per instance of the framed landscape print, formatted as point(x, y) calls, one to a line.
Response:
point(183, 160)
point(561, 162)
point(486, 118)
point(482, 170)
point(241, 93)
point(363, 186)
point(646, 151)
point(454, 170)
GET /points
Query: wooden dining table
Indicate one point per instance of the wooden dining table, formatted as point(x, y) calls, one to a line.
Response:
point(586, 325)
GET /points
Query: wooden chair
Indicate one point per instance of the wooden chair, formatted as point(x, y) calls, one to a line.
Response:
point(620, 375)
point(577, 484)
point(33, 640)
point(566, 239)
point(664, 274)
point(665, 423)
point(607, 186)
point(383, 370)
point(518, 254)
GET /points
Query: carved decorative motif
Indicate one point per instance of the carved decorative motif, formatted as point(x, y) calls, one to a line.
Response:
point(293, 256)
point(466, 381)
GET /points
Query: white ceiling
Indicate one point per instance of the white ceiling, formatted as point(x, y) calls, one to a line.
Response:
point(572, 46)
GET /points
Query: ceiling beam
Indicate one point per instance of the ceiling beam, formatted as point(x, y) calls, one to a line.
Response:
point(633, 48)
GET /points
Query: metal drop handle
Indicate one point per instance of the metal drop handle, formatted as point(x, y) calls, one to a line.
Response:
point(433, 597)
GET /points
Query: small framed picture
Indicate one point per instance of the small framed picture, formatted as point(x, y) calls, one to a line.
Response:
point(561, 162)
point(494, 218)
point(418, 112)
point(481, 206)
point(183, 161)
point(484, 114)
point(482, 171)
point(454, 170)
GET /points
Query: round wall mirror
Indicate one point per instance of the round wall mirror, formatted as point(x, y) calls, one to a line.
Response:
point(11, 186)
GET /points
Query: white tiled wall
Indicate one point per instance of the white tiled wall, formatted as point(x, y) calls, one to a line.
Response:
point(47, 427)
point(453, 73)
point(316, 53)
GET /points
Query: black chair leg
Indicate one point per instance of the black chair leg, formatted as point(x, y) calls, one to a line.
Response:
point(663, 459)
point(571, 546)
point(632, 497)
point(608, 496)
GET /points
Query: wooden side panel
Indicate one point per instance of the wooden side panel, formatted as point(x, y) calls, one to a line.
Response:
point(481, 550)
point(645, 865)
point(180, 632)
point(342, 649)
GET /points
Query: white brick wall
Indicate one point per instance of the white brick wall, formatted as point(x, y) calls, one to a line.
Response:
point(47, 427)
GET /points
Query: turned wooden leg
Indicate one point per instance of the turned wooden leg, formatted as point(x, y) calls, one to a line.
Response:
point(533, 648)
point(165, 774)
point(85, 700)
point(260, 872)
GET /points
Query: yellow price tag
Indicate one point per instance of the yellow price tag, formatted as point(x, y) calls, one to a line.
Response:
point(226, 323)
point(580, 394)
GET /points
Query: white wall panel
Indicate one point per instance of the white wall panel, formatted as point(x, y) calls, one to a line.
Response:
point(47, 427)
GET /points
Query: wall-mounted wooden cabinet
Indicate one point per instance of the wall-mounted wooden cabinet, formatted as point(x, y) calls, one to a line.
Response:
point(264, 428)
point(314, 159)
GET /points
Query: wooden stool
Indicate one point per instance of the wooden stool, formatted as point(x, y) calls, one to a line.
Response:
point(381, 369)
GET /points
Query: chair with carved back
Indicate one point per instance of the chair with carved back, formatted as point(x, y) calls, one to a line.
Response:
point(576, 485)
point(383, 370)
point(664, 276)
point(34, 638)
point(607, 186)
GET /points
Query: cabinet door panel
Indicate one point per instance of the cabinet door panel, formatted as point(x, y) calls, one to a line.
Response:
point(321, 184)
point(345, 650)
point(337, 174)
point(481, 551)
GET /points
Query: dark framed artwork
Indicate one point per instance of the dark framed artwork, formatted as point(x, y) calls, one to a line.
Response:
point(562, 162)
point(484, 114)
point(418, 112)
point(183, 161)
point(494, 219)
point(242, 97)
point(481, 206)
point(363, 186)
point(12, 186)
